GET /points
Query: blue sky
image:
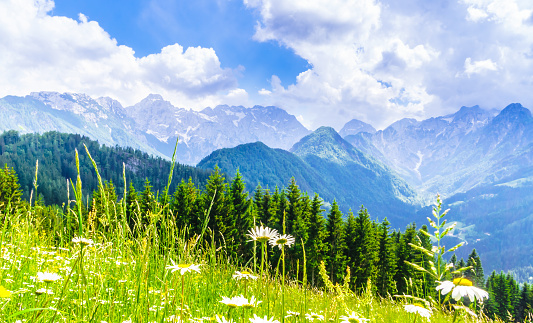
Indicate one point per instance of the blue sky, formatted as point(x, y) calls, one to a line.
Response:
point(227, 26)
point(325, 61)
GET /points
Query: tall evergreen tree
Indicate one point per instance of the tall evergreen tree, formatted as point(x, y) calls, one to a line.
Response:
point(351, 246)
point(10, 191)
point(476, 274)
point(315, 247)
point(220, 221)
point(523, 307)
point(365, 256)
point(240, 212)
point(132, 207)
point(405, 272)
point(386, 265)
point(336, 259)
point(502, 297)
point(147, 202)
point(185, 207)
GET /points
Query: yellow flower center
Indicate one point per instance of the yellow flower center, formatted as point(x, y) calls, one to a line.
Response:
point(263, 239)
point(462, 282)
point(184, 265)
point(281, 241)
point(246, 272)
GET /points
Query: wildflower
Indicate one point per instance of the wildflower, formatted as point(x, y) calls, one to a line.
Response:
point(461, 287)
point(48, 277)
point(291, 314)
point(82, 241)
point(262, 234)
point(244, 275)
point(235, 301)
point(314, 316)
point(41, 291)
point(252, 303)
point(4, 293)
point(418, 310)
point(353, 318)
point(257, 319)
point(183, 268)
point(282, 240)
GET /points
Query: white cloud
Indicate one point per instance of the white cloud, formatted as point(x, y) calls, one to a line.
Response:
point(381, 61)
point(478, 67)
point(44, 52)
point(476, 14)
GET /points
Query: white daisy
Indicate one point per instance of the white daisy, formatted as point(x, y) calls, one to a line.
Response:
point(183, 268)
point(82, 241)
point(257, 319)
point(292, 314)
point(48, 277)
point(235, 301)
point(418, 310)
point(244, 275)
point(282, 240)
point(461, 287)
point(262, 234)
point(353, 318)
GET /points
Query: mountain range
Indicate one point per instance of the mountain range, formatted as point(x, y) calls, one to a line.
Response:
point(480, 161)
point(152, 125)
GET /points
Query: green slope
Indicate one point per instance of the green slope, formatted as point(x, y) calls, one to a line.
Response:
point(56, 154)
point(324, 163)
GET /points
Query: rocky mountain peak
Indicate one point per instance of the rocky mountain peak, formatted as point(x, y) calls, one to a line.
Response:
point(354, 127)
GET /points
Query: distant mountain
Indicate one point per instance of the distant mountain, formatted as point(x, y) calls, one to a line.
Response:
point(354, 127)
point(482, 164)
point(454, 153)
point(103, 119)
point(202, 132)
point(324, 163)
point(152, 125)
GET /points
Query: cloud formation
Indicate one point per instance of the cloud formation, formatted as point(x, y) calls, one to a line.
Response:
point(379, 61)
point(44, 52)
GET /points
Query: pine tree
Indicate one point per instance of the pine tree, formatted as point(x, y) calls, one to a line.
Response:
point(240, 212)
point(476, 274)
point(386, 265)
point(132, 207)
point(404, 272)
point(258, 206)
point(501, 294)
point(365, 256)
point(336, 260)
point(524, 303)
point(185, 207)
point(10, 191)
point(315, 247)
point(351, 246)
point(219, 219)
point(147, 202)
point(490, 306)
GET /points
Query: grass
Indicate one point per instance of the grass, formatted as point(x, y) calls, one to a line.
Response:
point(124, 276)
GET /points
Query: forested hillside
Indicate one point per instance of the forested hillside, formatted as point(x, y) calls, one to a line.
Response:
point(56, 154)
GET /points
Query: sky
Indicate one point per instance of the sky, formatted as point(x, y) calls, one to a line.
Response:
point(324, 61)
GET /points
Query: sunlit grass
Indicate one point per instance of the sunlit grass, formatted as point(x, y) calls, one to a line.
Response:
point(120, 278)
point(67, 268)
